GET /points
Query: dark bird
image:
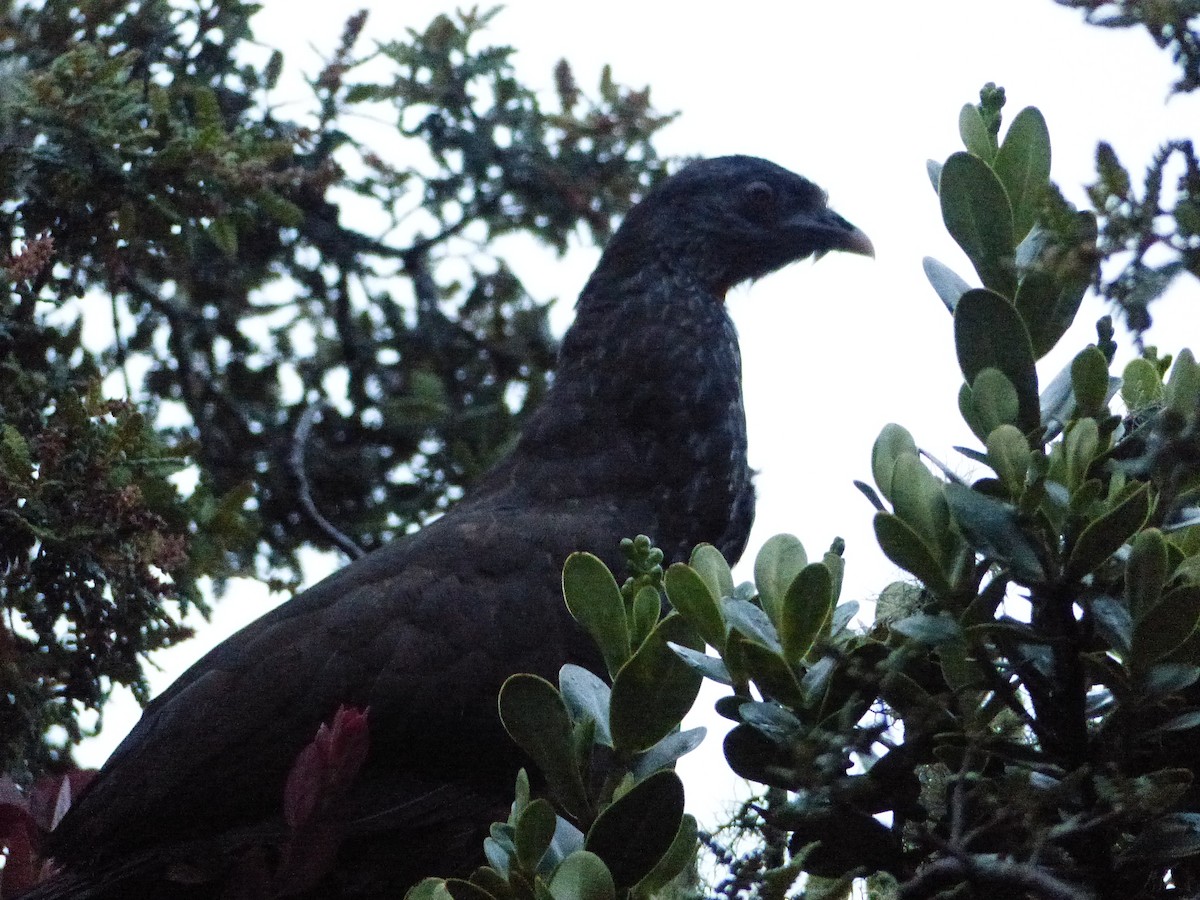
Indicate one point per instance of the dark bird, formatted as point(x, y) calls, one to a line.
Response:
point(642, 432)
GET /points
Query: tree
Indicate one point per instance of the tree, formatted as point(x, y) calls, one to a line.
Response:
point(1019, 718)
point(326, 386)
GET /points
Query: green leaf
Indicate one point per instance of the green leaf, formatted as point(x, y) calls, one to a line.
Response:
point(927, 629)
point(711, 566)
point(778, 562)
point(1166, 626)
point(534, 831)
point(806, 609)
point(1145, 571)
point(586, 697)
point(995, 400)
point(534, 715)
point(1010, 456)
point(1023, 166)
point(1168, 838)
point(429, 889)
point(282, 210)
point(595, 601)
point(223, 233)
point(948, 283)
point(770, 672)
point(689, 594)
point(906, 549)
point(647, 608)
point(678, 857)
point(1141, 386)
point(1080, 448)
point(918, 499)
point(15, 461)
point(582, 876)
point(933, 169)
point(666, 752)
point(977, 214)
point(989, 334)
point(634, 833)
point(974, 133)
point(1089, 381)
point(752, 622)
point(710, 667)
point(994, 528)
point(893, 442)
point(1103, 537)
point(1182, 392)
point(654, 690)
point(836, 564)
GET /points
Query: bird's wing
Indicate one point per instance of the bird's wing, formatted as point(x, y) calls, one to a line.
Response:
point(422, 633)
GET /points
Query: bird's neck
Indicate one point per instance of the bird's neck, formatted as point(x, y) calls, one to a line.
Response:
point(646, 413)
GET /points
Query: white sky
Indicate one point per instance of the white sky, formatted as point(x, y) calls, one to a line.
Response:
point(856, 96)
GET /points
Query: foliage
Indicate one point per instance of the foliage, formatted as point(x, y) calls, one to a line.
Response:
point(1149, 254)
point(1019, 721)
point(325, 385)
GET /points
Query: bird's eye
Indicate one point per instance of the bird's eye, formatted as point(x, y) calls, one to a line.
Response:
point(759, 200)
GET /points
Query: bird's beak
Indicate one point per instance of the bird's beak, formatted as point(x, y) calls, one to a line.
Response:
point(827, 231)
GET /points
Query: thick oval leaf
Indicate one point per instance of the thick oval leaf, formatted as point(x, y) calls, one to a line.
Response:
point(595, 601)
point(655, 689)
point(917, 498)
point(995, 400)
point(1010, 456)
point(1141, 386)
point(582, 876)
point(1089, 381)
point(1145, 571)
point(927, 629)
point(667, 752)
point(906, 549)
point(778, 562)
point(586, 697)
point(696, 602)
point(1080, 448)
point(1166, 626)
point(647, 609)
point(534, 830)
point(429, 889)
point(975, 135)
point(893, 442)
point(1167, 838)
point(933, 169)
point(678, 857)
point(806, 609)
point(1182, 390)
point(1023, 166)
point(994, 529)
point(751, 622)
point(710, 667)
point(635, 832)
point(948, 283)
point(977, 214)
point(989, 334)
point(1103, 537)
point(770, 673)
point(711, 566)
point(534, 715)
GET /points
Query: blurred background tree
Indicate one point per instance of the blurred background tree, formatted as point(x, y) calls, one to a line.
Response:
point(205, 366)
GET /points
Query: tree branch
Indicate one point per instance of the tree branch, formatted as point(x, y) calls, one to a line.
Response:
point(296, 463)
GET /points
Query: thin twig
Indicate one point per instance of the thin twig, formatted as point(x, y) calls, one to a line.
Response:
point(296, 462)
point(981, 870)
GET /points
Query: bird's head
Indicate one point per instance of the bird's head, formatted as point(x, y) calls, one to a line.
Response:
point(731, 219)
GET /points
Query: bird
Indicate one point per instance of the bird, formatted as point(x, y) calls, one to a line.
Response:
point(642, 431)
